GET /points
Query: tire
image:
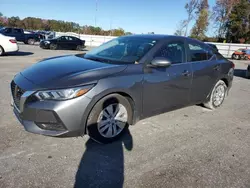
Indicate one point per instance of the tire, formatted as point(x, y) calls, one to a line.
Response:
point(235, 56)
point(102, 129)
point(79, 48)
point(212, 104)
point(31, 41)
point(53, 46)
point(1, 51)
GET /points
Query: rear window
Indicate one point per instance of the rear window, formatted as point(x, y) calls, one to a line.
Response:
point(198, 52)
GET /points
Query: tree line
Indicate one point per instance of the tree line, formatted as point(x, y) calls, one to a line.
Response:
point(31, 23)
point(229, 20)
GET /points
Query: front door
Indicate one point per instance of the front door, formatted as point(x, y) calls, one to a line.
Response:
point(167, 88)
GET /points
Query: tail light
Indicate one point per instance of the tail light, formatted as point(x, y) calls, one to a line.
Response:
point(233, 65)
point(12, 40)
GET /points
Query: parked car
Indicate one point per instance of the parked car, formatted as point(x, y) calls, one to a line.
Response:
point(7, 44)
point(20, 35)
point(112, 86)
point(239, 54)
point(63, 42)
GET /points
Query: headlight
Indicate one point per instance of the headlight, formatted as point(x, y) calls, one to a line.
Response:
point(46, 42)
point(63, 94)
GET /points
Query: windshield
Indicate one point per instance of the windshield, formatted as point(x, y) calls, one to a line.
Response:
point(125, 50)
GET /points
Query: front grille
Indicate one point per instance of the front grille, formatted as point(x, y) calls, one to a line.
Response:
point(17, 92)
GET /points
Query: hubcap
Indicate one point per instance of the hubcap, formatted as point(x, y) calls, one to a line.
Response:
point(112, 120)
point(219, 95)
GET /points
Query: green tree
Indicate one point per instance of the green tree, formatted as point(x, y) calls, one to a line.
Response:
point(118, 32)
point(220, 15)
point(200, 28)
point(238, 26)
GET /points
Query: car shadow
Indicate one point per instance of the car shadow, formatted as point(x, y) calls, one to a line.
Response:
point(240, 73)
point(103, 165)
point(19, 53)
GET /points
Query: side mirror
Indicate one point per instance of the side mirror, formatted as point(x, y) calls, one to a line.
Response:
point(160, 62)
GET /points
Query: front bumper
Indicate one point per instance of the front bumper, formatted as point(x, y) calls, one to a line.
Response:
point(52, 118)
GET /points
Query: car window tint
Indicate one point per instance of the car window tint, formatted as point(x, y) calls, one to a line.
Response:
point(63, 38)
point(70, 38)
point(173, 52)
point(17, 31)
point(198, 52)
point(7, 30)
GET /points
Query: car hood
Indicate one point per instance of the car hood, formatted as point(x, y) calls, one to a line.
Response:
point(68, 71)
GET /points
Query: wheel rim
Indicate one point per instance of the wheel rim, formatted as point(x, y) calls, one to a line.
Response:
point(219, 95)
point(53, 46)
point(112, 120)
point(31, 41)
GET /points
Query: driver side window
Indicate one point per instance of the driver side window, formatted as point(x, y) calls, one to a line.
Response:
point(174, 52)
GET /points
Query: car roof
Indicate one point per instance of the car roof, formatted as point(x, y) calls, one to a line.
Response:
point(153, 36)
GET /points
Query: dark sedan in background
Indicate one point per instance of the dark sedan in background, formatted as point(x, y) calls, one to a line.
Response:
point(63, 42)
point(117, 84)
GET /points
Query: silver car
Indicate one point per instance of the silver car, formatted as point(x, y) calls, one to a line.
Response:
point(115, 85)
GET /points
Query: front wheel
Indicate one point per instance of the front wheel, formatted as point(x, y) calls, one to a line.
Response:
point(53, 46)
point(217, 96)
point(109, 118)
point(79, 48)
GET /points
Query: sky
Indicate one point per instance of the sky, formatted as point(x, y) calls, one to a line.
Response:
point(136, 16)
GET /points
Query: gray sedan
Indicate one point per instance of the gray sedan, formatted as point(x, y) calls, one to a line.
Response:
point(115, 85)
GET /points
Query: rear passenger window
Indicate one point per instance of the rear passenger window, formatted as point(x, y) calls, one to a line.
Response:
point(173, 52)
point(199, 52)
point(17, 31)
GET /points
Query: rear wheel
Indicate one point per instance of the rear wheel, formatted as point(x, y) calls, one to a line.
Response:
point(217, 96)
point(53, 46)
point(1, 51)
point(109, 118)
point(31, 41)
point(235, 56)
point(78, 47)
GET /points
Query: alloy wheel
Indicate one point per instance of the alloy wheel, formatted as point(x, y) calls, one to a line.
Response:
point(112, 120)
point(219, 95)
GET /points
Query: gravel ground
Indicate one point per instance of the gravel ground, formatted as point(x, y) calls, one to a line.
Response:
point(190, 147)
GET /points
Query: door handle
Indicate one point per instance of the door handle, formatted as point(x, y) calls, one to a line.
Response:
point(186, 73)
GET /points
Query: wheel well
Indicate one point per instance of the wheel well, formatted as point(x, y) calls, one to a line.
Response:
point(132, 104)
point(131, 101)
point(2, 48)
point(225, 80)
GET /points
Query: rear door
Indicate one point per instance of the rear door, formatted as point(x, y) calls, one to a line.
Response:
point(73, 42)
point(18, 33)
point(8, 32)
point(205, 68)
point(167, 88)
